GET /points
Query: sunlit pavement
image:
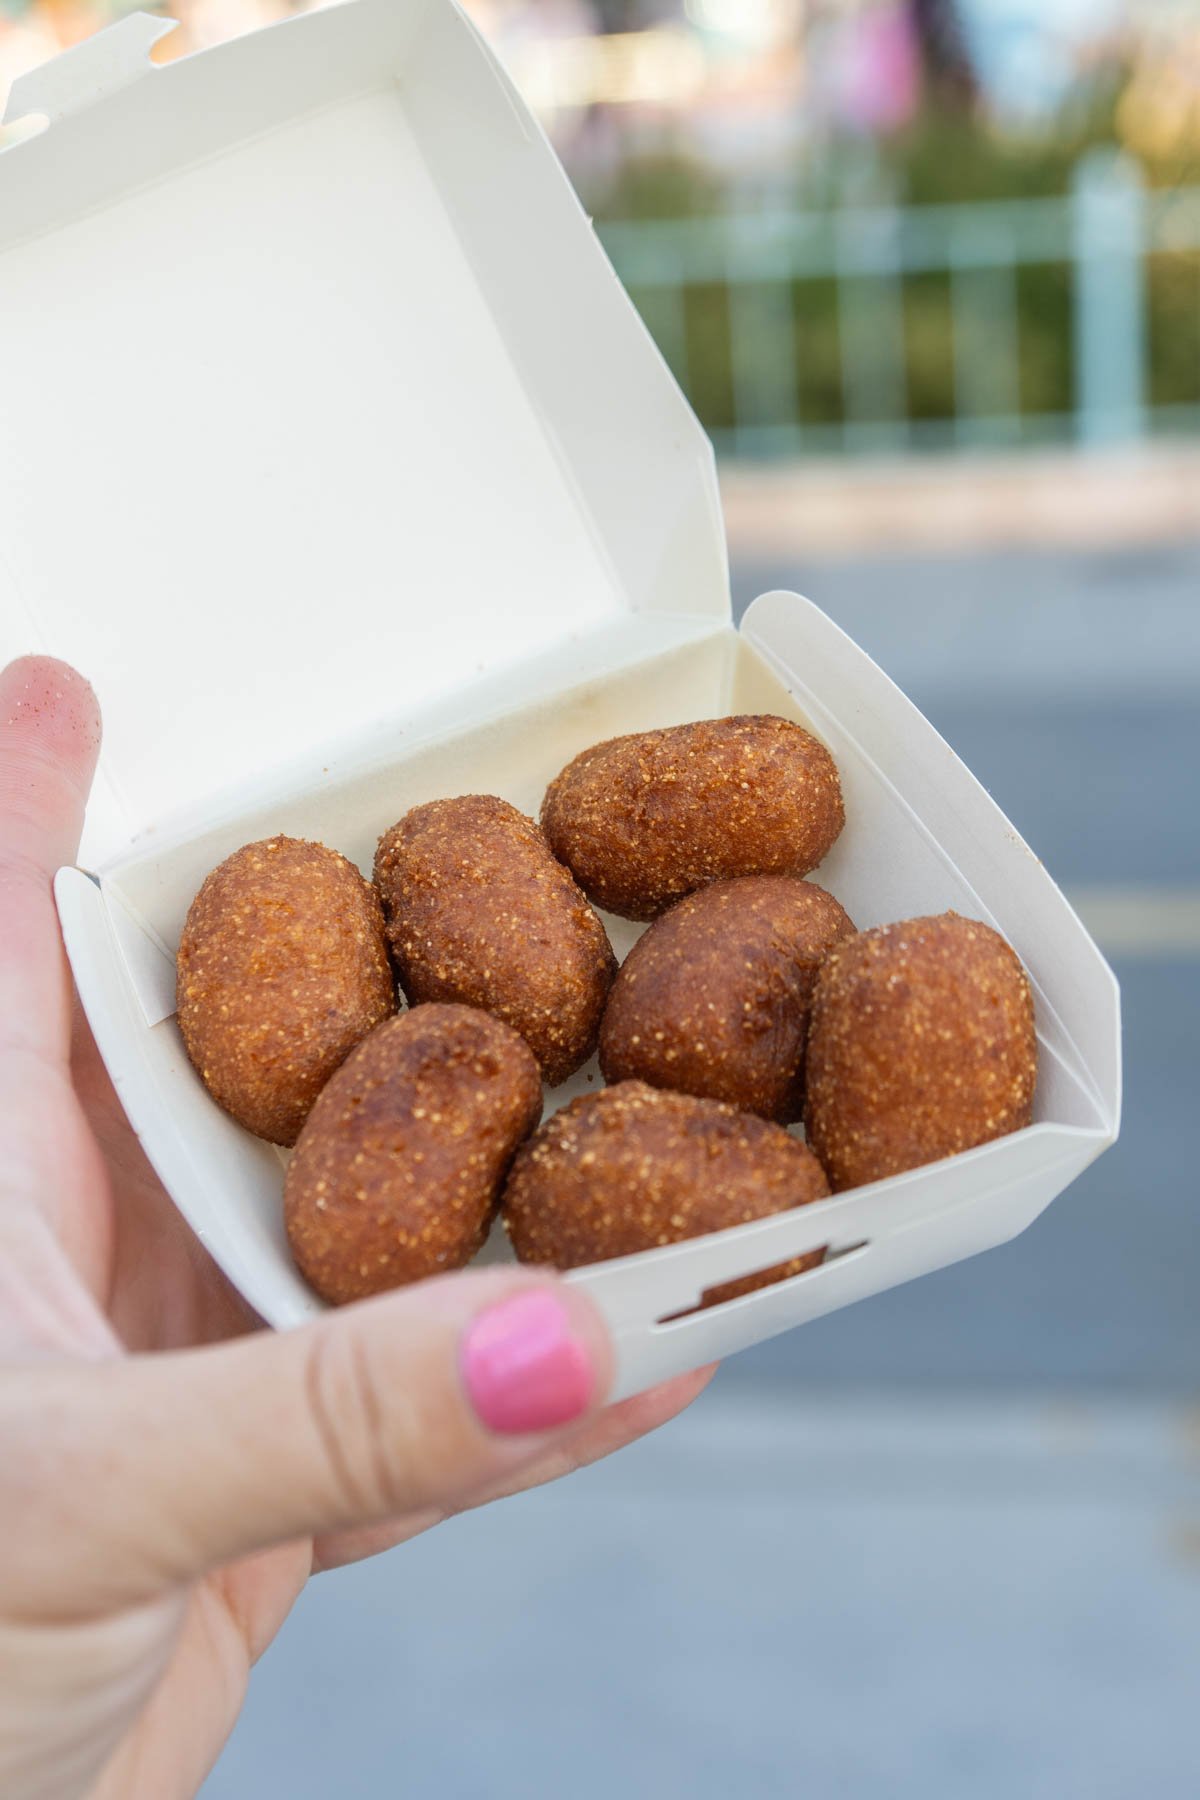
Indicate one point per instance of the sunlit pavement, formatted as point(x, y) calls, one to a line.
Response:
point(888, 1599)
point(946, 1543)
point(1070, 684)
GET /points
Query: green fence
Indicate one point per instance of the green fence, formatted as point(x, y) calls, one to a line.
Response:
point(877, 329)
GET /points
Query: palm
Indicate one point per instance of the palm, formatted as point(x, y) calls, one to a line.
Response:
point(124, 1254)
point(96, 1263)
point(158, 1286)
point(160, 1290)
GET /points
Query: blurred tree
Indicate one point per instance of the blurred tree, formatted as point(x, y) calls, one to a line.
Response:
point(950, 83)
point(633, 15)
point(665, 184)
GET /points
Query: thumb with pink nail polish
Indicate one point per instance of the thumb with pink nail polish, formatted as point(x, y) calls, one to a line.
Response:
point(524, 1366)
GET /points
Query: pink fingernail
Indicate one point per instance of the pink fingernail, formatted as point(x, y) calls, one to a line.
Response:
point(523, 1368)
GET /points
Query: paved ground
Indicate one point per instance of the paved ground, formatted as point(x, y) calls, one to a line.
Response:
point(772, 1599)
point(945, 1544)
point(1070, 683)
point(1134, 494)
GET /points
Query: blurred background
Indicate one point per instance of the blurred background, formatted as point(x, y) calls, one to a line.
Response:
point(929, 271)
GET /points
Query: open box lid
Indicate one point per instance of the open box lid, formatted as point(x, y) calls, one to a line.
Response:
point(320, 396)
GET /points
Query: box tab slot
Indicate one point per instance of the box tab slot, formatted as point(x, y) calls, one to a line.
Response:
point(102, 64)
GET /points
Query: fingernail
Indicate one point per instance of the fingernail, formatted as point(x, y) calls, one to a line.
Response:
point(523, 1368)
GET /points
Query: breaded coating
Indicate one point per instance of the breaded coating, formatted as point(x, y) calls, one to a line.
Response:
point(633, 1167)
point(922, 1044)
point(479, 911)
point(398, 1169)
point(641, 821)
point(714, 999)
point(282, 968)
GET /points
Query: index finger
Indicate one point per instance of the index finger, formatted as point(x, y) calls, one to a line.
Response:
point(49, 742)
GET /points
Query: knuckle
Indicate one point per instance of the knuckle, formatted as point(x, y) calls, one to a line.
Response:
point(22, 876)
point(352, 1422)
point(392, 1437)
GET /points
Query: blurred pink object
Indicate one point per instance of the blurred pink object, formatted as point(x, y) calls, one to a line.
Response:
point(880, 74)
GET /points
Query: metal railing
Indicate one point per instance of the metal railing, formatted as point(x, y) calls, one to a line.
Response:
point(1102, 234)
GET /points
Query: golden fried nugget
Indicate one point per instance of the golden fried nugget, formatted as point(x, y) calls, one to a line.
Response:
point(714, 999)
point(281, 969)
point(641, 821)
point(397, 1171)
point(634, 1167)
point(479, 911)
point(921, 1044)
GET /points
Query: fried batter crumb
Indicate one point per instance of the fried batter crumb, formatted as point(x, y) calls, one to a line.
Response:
point(282, 968)
point(714, 999)
point(397, 1172)
point(643, 820)
point(634, 1167)
point(479, 911)
point(922, 1044)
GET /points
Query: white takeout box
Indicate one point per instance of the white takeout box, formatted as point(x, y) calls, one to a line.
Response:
point(333, 452)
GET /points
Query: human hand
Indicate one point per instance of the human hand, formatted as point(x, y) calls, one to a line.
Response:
point(171, 1475)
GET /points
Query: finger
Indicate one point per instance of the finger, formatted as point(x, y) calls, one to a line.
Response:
point(615, 1427)
point(49, 742)
point(155, 1470)
point(162, 1289)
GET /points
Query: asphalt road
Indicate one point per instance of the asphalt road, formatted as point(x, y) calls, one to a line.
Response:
point(943, 1545)
point(1070, 685)
point(771, 1601)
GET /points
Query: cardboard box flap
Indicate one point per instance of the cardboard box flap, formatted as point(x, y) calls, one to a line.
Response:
point(90, 71)
point(941, 842)
point(326, 398)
